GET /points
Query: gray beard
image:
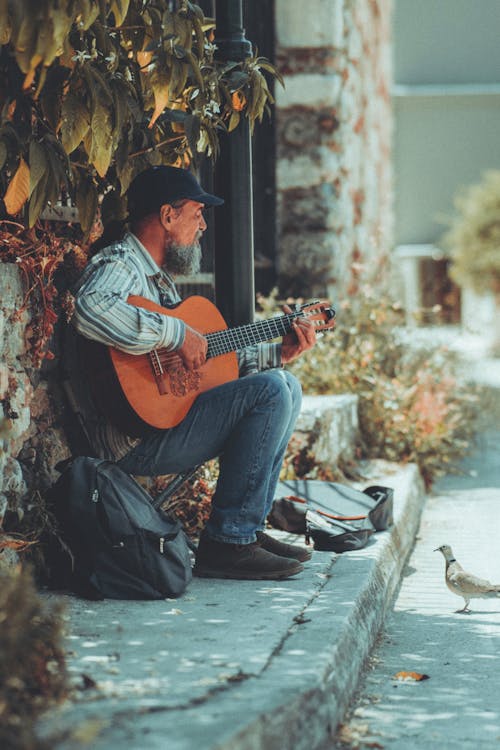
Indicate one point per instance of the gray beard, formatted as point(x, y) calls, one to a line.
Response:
point(183, 260)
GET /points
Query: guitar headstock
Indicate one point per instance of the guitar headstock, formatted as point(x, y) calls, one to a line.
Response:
point(320, 313)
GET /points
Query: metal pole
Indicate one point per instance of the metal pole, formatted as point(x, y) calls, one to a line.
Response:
point(234, 253)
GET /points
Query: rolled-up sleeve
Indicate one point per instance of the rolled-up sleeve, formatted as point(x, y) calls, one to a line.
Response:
point(103, 314)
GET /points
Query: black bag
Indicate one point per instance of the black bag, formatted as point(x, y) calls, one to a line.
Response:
point(115, 544)
point(335, 517)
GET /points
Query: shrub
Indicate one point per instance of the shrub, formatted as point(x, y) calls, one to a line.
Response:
point(32, 668)
point(413, 403)
point(473, 237)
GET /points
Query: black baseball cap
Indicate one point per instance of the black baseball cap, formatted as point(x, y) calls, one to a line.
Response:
point(154, 187)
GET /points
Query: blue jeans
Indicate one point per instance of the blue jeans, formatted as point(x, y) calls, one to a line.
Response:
point(248, 423)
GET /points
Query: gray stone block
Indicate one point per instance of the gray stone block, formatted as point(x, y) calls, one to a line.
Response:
point(332, 423)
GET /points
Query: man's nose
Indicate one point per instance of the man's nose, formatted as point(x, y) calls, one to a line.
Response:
point(203, 223)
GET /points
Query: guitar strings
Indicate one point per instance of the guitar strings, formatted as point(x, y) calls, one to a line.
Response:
point(232, 339)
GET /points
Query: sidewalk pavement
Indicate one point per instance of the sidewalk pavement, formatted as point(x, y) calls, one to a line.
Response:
point(237, 665)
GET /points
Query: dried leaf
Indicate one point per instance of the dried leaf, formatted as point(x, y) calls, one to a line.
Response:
point(14, 542)
point(233, 121)
point(18, 190)
point(410, 677)
point(144, 58)
point(238, 101)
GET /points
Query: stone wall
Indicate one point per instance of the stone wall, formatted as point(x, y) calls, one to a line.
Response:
point(32, 440)
point(15, 387)
point(334, 140)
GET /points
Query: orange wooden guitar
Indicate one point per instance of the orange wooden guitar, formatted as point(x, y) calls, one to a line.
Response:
point(155, 389)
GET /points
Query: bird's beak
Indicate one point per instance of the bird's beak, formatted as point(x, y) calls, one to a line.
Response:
point(437, 549)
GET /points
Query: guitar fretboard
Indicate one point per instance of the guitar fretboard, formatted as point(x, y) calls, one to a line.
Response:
point(232, 339)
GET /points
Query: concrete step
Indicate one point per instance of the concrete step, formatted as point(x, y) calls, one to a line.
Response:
point(237, 665)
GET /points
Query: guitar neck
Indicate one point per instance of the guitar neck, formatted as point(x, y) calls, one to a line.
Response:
point(232, 339)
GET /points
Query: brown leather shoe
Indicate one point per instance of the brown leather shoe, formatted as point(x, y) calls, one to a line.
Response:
point(242, 561)
point(283, 549)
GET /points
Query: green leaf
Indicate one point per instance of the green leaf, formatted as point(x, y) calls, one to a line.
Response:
point(119, 8)
point(89, 10)
point(38, 199)
point(134, 31)
point(5, 23)
point(75, 122)
point(124, 165)
point(59, 164)
point(178, 80)
point(51, 96)
point(98, 85)
point(86, 202)
point(25, 42)
point(199, 36)
point(192, 128)
point(196, 70)
point(3, 153)
point(38, 163)
point(102, 141)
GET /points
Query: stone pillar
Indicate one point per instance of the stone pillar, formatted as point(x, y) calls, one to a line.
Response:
point(334, 138)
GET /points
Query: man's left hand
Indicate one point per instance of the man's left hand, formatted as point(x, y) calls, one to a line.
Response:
point(301, 338)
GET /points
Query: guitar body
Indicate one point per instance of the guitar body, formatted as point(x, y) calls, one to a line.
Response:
point(139, 391)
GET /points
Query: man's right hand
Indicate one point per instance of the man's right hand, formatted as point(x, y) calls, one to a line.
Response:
point(193, 352)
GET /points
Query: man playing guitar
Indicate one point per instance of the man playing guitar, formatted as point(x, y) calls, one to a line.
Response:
point(125, 301)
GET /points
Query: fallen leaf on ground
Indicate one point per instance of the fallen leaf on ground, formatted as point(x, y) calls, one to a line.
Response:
point(410, 677)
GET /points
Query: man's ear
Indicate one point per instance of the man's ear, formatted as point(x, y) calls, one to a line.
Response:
point(166, 214)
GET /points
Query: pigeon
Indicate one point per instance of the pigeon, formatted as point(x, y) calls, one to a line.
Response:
point(465, 584)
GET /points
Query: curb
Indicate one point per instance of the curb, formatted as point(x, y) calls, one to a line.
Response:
point(305, 713)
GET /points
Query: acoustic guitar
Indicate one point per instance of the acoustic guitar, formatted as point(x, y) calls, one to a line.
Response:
point(156, 390)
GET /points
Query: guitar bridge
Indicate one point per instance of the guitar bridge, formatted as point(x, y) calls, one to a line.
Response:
point(158, 372)
point(169, 367)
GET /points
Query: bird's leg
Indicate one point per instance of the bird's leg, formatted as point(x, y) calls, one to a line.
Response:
point(465, 608)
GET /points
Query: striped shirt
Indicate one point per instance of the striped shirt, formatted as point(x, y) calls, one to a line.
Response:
point(103, 314)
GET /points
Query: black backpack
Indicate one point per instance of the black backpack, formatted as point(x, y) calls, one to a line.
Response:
point(115, 544)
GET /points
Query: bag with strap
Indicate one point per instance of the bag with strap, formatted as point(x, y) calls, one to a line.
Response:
point(115, 544)
point(335, 517)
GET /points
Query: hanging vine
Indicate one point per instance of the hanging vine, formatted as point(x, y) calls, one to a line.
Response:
point(38, 252)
